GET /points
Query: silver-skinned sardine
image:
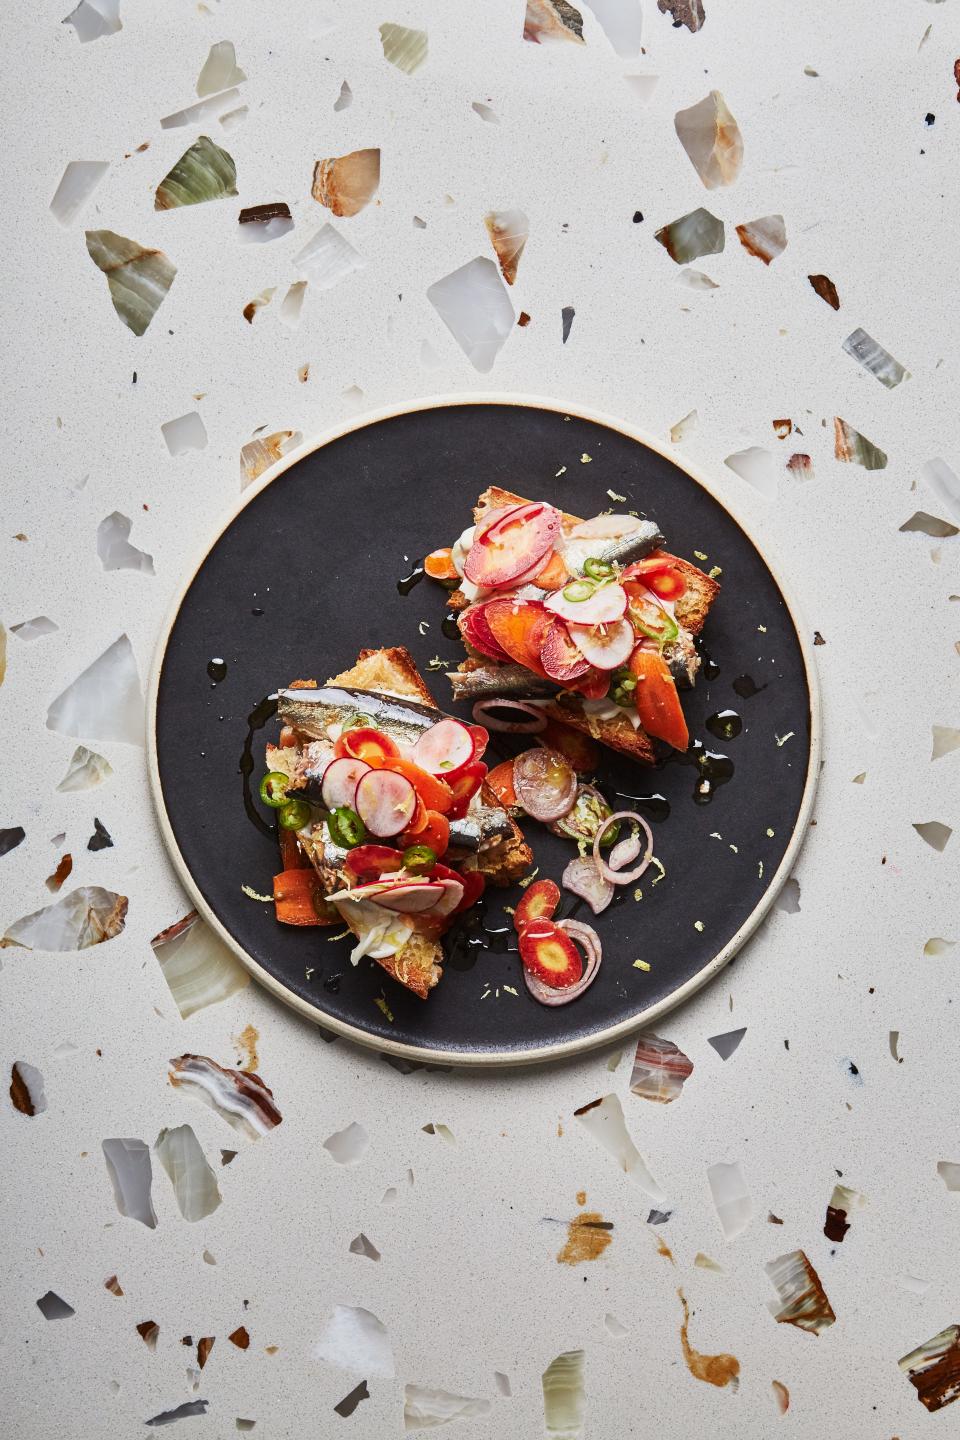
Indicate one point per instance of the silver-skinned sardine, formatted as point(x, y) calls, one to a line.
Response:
point(622, 550)
point(509, 682)
point(312, 710)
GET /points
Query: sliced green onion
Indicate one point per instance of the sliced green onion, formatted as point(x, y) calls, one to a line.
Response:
point(294, 814)
point(357, 722)
point(346, 827)
point(273, 788)
point(578, 590)
point(598, 569)
point(419, 858)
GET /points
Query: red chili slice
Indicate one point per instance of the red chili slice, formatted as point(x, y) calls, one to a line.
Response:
point(369, 862)
point(465, 785)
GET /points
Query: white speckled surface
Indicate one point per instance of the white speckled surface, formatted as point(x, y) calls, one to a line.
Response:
point(468, 1281)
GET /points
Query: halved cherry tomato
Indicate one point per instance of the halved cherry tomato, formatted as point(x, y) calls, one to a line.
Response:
point(474, 885)
point(434, 832)
point(554, 573)
point(439, 565)
point(539, 902)
point(367, 745)
point(481, 739)
point(500, 780)
point(465, 785)
point(368, 862)
point(434, 792)
point(656, 699)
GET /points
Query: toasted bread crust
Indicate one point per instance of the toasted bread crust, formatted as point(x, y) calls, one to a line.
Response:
point(418, 964)
point(392, 669)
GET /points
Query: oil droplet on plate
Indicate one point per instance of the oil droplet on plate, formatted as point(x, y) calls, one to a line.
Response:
point(407, 583)
point(726, 724)
point(746, 686)
point(217, 669)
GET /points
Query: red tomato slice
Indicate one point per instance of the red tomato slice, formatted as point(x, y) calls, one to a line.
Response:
point(474, 885)
point(367, 745)
point(465, 785)
point(369, 862)
point(592, 686)
point(481, 739)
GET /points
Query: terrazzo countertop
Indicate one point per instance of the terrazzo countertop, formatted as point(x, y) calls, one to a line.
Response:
point(379, 1247)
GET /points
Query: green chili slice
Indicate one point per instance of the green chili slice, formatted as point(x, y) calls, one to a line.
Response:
point(664, 633)
point(357, 722)
point(294, 814)
point(273, 789)
point(598, 569)
point(346, 827)
point(418, 859)
point(578, 590)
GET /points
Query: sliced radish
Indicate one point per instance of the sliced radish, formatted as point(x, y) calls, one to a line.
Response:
point(444, 747)
point(606, 527)
point(475, 629)
point(559, 656)
point(453, 893)
point(605, 646)
point(411, 898)
point(340, 779)
point(385, 801)
point(606, 604)
point(510, 543)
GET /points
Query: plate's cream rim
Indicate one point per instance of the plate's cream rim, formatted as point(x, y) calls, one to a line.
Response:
point(562, 1049)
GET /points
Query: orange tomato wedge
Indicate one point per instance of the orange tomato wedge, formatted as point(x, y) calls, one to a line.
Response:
point(657, 701)
point(439, 565)
point(500, 781)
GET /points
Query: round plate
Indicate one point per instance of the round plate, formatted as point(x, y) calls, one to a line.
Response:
point(304, 573)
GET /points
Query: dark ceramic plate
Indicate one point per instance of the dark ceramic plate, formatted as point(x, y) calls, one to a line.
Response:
point(305, 573)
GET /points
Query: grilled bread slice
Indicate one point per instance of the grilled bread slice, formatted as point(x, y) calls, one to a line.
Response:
point(617, 732)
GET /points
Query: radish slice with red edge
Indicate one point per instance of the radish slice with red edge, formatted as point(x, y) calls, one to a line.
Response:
point(560, 656)
point(510, 543)
point(385, 802)
point(446, 746)
point(584, 878)
point(531, 726)
point(340, 780)
point(605, 646)
point(588, 938)
point(622, 877)
point(411, 898)
point(452, 893)
point(546, 783)
point(606, 604)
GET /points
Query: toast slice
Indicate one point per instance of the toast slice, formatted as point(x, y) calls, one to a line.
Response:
point(617, 732)
point(393, 671)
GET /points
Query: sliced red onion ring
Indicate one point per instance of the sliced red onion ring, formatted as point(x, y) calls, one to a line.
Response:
point(537, 722)
point(583, 877)
point(546, 783)
point(620, 877)
point(589, 940)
